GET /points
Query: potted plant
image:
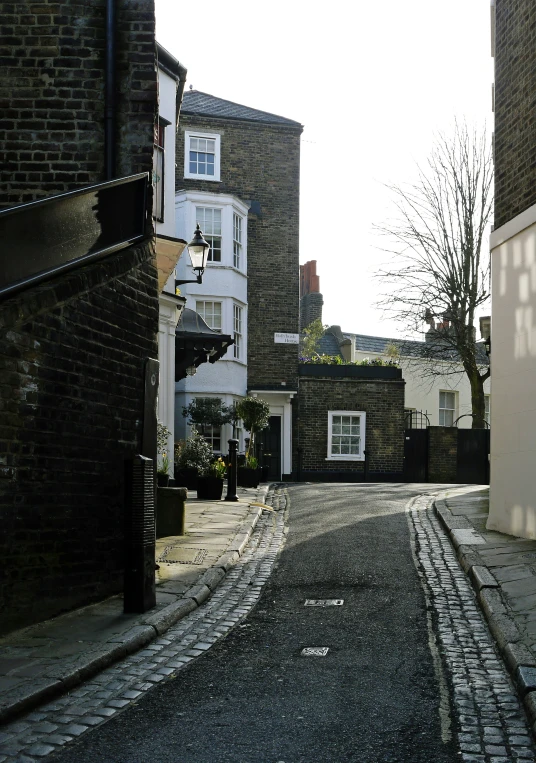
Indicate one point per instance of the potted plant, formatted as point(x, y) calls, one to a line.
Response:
point(192, 457)
point(210, 482)
point(255, 415)
point(205, 412)
point(162, 469)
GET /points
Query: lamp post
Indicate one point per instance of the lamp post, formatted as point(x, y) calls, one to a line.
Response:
point(198, 250)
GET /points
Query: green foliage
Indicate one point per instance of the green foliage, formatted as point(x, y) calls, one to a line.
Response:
point(193, 453)
point(216, 469)
point(336, 360)
point(251, 462)
point(311, 337)
point(255, 415)
point(392, 351)
point(162, 434)
point(254, 412)
point(206, 411)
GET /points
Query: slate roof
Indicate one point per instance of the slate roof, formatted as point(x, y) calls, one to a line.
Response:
point(328, 345)
point(197, 103)
point(409, 348)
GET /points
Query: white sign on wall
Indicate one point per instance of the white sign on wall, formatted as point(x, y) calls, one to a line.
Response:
point(282, 338)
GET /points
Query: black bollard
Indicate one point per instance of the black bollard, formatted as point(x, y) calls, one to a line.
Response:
point(231, 471)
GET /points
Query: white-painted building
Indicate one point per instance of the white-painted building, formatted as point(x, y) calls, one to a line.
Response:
point(171, 79)
point(221, 300)
point(513, 365)
point(444, 398)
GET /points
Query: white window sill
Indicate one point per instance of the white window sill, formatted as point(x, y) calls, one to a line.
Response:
point(345, 458)
point(210, 178)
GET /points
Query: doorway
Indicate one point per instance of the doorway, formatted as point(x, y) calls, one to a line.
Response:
point(270, 438)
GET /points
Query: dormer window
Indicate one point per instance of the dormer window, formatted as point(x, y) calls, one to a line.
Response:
point(201, 156)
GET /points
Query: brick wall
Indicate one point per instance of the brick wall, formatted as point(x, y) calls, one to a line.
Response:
point(52, 95)
point(72, 355)
point(442, 454)
point(382, 401)
point(72, 350)
point(515, 111)
point(261, 163)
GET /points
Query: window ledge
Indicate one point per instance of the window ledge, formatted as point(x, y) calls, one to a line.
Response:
point(345, 458)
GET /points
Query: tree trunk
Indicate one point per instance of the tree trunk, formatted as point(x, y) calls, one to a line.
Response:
point(478, 401)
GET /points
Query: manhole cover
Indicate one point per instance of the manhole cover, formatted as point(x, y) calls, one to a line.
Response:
point(324, 602)
point(172, 555)
point(315, 651)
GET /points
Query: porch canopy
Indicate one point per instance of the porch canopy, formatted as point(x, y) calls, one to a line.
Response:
point(197, 343)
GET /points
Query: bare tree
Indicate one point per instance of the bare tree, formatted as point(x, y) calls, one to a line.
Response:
point(441, 269)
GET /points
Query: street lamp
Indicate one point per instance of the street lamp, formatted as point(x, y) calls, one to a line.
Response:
point(198, 250)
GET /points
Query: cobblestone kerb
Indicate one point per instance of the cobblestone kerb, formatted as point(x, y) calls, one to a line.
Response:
point(489, 720)
point(518, 657)
point(69, 674)
point(63, 720)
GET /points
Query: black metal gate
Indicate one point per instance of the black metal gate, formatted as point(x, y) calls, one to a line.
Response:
point(416, 447)
point(472, 461)
point(270, 438)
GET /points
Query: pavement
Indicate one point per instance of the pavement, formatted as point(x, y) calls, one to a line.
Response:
point(50, 658)
point(502, 569)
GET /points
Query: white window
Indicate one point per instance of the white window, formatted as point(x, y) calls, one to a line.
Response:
point(346, 435)
point(210, 312)
point(487, 410)
point(201, 156)
point(237, 240)
point(158, 169)
point(209, 220)
point(237, 332)
point(447, 408)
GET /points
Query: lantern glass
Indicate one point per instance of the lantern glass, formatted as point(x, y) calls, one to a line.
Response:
point(198, 250)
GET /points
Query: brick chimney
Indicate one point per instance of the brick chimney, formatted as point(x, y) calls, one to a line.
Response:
point(311, 299)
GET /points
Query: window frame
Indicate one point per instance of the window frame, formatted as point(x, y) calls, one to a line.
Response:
point(362, 432)
point(159, 153)
point(211, 236)
point(188, 135)
point(212, 302)
point(238, 345)
point(443, 409)
point(238, 247)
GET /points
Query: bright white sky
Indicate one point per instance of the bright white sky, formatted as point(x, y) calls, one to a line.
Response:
point(370, 82)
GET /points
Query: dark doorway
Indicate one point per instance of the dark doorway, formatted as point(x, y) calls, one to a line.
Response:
point(270, 438)
point(472, 462)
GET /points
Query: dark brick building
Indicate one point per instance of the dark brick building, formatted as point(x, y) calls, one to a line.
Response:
point(351, 423)
point(515, 117)
point(73, 346)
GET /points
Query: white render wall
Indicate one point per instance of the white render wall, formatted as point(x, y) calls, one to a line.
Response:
point(227, 378)
point(167, 94)
point(513, 368)
point(422, 392)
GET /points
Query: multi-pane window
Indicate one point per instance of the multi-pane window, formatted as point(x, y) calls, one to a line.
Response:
point(447, 408)
point(209, 220)
point(237, 240)
point(237, 331)
point(210, 312)
point(346, 435)
point(158, 170)
point(487, 408)
point(202, 156)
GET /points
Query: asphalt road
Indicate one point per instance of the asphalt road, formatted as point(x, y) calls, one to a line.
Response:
point(252, 698)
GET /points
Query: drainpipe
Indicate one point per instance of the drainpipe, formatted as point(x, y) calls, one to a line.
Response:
point(109, 93)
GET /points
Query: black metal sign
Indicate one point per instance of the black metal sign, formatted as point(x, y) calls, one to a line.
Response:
point(42, 238)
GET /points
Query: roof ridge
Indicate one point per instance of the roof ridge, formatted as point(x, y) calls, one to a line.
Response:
point(281, 119)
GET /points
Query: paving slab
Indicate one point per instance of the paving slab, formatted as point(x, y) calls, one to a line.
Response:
point(49, 658)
